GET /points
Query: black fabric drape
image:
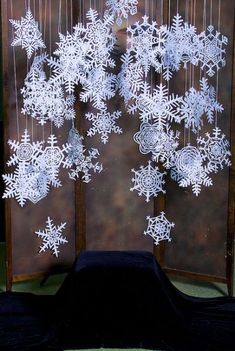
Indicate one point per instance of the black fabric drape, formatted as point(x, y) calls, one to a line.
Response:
point(117, 299)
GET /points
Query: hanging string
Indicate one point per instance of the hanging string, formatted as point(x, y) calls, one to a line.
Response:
point(177, 6)
point(211, 11)
point(59, 19)
point(15, 80)
point(71, 16)
point(217, 72)
point(50, 48)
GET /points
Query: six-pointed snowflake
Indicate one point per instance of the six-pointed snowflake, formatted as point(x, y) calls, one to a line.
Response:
point(52, 237)
point(103, 124)
point(159, 228)
point(121, 8)
point(27, 34)
point(215, 149)
point(212, 52)
point(148, 181)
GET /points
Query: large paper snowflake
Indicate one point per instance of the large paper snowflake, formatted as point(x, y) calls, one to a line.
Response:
point(162, 143)
point(181, 46)
point(212, 52)
point(215, 149)
point(99, 87)
point(27, 34)
point(121, 8)
point(159, 228)
point(188, 169)
point(103, 124)
point(148, 181)
point(157, 105)
point(52, 237)
point(146, 44)
point(44, 99)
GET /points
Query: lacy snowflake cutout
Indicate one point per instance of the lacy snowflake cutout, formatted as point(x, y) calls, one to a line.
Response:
point(148, 181)
point(215, 149)
point(27, 34)
point(188, 169)
point(103, 124)
point(159, 228)
point(121, 8)
point(77, 149)
point(162, 143)
point(158, 105)
point(98, 88)
point(146, 43)
point(52, 237)
point(24, 151)
point(212, 52)
point(181, 46)
point(211, 105)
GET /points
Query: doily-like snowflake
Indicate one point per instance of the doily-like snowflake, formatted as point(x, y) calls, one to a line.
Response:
point(181, 46)
point(27, 34)
point(188, 169)
point(44, 99)
point(103, 124)
point(24, 151)
point(212, 52)
point(146, 43)
point(157, 105)
point(215, 149)
point(52, 237)
point(159, 228)
point(99, 87)
point(162, 143)
point(148, 181)
point(121, 8)
point(130, 78)
point(197, 103)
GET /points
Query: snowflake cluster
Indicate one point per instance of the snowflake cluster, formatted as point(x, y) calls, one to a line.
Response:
point(52, 237)
point(121, 8)
point(159, 228)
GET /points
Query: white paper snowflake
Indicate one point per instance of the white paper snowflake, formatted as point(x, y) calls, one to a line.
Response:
point(159, 228)
point(40, 184)
point(24, 151)
point(181, 46)
point(98, 88)
point(77, 149)
point(103, 124)
point(121, 8)
point(84, 165)
point(146, 43)
point(215, 149)
point(158, 105)
point(148, 181)
point(211, 54)
point(211, 105)
point(188, 169)
point(27, 34)
point(162, 143)
point(52, 237)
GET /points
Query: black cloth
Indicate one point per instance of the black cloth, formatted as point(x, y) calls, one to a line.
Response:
point(117, 299)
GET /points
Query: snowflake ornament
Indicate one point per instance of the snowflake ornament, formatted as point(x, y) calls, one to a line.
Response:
point(159, 228)
point(211, 55)
point(76, 149)
point(146, 44)
point(188, 169)
point(27, 34)
point(121, 8)
point(148, 181)
point(211, 105)
point(52, 237)
point(103, 124)
point(215, 149)
point(157, 105)
point(162, 143)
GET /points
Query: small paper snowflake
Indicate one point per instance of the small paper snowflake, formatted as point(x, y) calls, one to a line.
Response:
point(121, 8)
point(211, 105)
point(212, 52)
point(159, 228)
point(160, 142)
point(103, 124)
point(188, 169)
point(27, 34)
point(146, 43)
point(157, 105)
point(52, 237)
point(77, 149)
point(148, 181)
point(215, 149)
